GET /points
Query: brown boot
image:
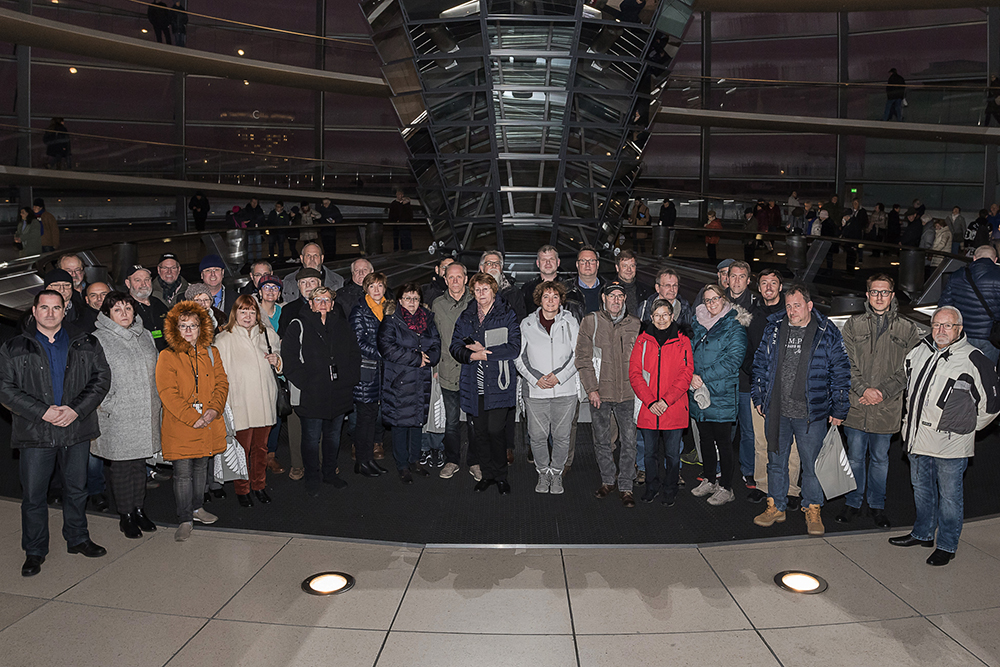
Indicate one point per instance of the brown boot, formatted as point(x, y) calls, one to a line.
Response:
point(770, 516)
point(814, 523)
point(273, 465)
point(379, 452)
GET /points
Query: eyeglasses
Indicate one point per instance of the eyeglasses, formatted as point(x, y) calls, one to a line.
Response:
point(411, 299)
point(586, 261)
point(947, 326)
point(879, 292)
point(495, 265)
point(712, 299)
point(187, 327)
point(327, 301)
point(270, 288)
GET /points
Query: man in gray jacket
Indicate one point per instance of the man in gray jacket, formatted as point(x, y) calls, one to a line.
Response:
point(603, 348)
point(877, 343)
point(447, 308)
point(52, 378)
point(951, 392)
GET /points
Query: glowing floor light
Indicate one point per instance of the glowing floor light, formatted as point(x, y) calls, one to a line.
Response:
point(797, 581)
point(328, 583)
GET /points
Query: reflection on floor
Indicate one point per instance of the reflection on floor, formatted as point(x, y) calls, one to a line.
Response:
point(234, 598)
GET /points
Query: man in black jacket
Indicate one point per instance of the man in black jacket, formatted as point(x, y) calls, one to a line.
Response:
point(329, 217)
point(52, 378)
point(895, 93)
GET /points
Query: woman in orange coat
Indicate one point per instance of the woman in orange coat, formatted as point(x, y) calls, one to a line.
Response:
point(660, 372)
point(193, 387)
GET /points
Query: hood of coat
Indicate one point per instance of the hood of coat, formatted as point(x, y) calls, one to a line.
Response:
point(104, 323)
point(891, 313)
point(172, 333)
point(737, 311)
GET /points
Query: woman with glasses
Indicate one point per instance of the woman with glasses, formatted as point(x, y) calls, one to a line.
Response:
point(410, 347)
point(719, 344)
point(250, 351)
point(193, 387)
point(486, 340)
point(660, 371)
point(130, 414)
point(270, 313)
point(366, 317)
point(321, 359)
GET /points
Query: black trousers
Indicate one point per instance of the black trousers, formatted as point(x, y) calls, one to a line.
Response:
point(128, 484)
point(490, 430)
point(367, 430)
point(717, 437)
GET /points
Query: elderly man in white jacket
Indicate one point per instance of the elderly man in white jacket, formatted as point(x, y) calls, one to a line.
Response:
point(951, 393)
point(548, 365)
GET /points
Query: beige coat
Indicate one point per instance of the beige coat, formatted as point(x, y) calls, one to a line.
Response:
point(252, 389)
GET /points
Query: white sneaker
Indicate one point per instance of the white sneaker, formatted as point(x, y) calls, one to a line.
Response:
point(448, 471)
point(721, 497)
point(476, 472)
point(201, 515)
point(706, 488)
point(544, 482)
point(184, 531)
point(556, 485)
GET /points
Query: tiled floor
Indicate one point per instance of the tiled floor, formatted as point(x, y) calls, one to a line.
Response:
point(233, 598)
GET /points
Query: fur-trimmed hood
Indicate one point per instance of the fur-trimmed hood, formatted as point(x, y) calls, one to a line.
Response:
point(705, 319)
point(173, 335)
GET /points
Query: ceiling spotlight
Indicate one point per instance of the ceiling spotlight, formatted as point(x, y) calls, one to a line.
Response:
point(328, 583)
point(72, 70)
point(240, 52)
point(144, 31)
point(245, 82)
point(797, 581)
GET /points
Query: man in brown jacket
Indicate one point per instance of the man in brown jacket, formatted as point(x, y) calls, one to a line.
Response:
point(603, 348)
point(50, 228)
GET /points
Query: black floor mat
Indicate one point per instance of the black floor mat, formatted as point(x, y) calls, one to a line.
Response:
point(434, 510)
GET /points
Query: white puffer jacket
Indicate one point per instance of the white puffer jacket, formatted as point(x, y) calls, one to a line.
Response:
point(950, 394)
point(542, 353)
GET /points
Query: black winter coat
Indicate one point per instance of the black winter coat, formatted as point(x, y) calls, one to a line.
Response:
point(324, 362)
point(365, 327)
point(406, 386)
point(26, 388)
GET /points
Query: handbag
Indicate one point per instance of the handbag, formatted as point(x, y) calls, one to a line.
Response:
point(995, 328)
point(833, 468)
point(283, 398)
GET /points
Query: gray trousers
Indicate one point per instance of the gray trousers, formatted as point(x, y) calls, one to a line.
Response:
point(602, 426)
point(555, 416)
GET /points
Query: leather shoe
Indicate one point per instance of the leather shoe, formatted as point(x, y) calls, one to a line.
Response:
point(604, 490)
point(88, 549)
point(363, 469)
point(375, 465)
point(244, 499)
point(909, 540)
point(262, 497)
point(847, 515)
point(756, 496)
point(503, 487)
point(628, 500)
point(881, 520)
point(405, 476)
point(484, 484)
point(218, 493)
point(143, 521)
point(940, 557)
point(32, 566)
point(336, 481)
point(793, 503)
point(418, 469)
point(128, 525)
point(510, 456)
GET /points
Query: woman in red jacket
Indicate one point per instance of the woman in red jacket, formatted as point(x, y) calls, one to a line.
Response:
point(660, 371)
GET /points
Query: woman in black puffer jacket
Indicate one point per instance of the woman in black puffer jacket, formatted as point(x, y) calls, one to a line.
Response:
point(366, 317)
point(410, 347)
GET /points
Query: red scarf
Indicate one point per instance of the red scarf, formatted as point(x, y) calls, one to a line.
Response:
point(416, 322)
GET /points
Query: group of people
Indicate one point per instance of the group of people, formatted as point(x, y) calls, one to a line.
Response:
point(102, 379)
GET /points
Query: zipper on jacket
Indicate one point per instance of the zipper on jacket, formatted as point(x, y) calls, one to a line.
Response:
point(659, 372)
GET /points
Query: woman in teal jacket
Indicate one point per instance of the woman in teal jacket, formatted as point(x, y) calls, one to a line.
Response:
point(719, 344)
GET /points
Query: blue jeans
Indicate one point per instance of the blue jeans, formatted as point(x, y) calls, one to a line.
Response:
point(745, 420)
point(876, 445)
point(809, 440)
point(406, 446)
point(95, 475)
point(986, 347)
point(318, 433)
point(255, 246)
point(640, 450)
point(272, 439)
point(432, 442)
point(938, 495)
point(893, 108)
point(36, 467)
point(662, 446)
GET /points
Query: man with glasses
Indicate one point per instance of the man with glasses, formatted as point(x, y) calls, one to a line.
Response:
point(667, 287)
point(877, 343)
point(951, 393)
point(981, 277)
point(169, 286)
point(491, 262)
point(584, 289)
point(258, 270)
point(311, 258)
point(73, 265)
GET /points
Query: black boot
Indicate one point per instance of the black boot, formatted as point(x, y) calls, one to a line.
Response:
point(143, 521)
point(128, 526)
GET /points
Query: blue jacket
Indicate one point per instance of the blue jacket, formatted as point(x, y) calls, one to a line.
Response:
point(365, 326)
point(499, 373)
point(959, 293)
point(718, 354)
point(406, 386)
point(829, 378)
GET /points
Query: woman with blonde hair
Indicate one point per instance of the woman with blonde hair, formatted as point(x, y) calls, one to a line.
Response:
point(249, 351)
point(193, 387)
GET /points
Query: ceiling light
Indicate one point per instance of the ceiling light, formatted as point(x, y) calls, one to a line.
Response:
point(797, 581)
point(328, 583)
point(72, 70)
point(240, 51)
point(144, 31)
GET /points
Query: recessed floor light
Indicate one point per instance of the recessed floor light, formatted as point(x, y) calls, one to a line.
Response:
point(328, 583)
point(797, 581)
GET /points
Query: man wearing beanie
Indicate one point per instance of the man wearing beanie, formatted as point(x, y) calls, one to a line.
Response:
point(213, 270)
point(62, 282)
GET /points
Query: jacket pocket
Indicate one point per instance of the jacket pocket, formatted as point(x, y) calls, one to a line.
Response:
point(369, 371)
point(958, 406)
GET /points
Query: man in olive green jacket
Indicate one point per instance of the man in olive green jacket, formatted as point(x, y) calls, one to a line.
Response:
point(877, 343)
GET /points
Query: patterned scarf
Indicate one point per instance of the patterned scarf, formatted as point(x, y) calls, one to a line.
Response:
point(417, 322)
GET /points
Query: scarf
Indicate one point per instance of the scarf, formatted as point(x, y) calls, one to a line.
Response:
point(706, 319)
point(416, 322)
point(376, 307)
point(661, 336)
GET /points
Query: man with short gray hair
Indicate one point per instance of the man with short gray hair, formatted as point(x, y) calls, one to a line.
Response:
point(951, 393)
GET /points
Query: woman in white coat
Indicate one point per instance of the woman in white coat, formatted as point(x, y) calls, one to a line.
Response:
point(548, 365)
point(249, 351)
point(130, 414)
